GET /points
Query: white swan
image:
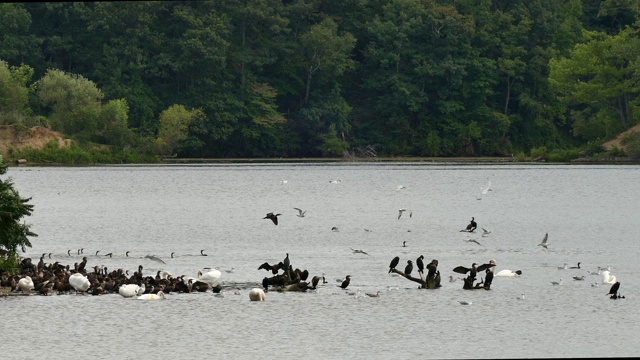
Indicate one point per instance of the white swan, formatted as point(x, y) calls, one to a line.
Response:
point(607, 278)
point(508, 273)
point(79, 282)
point(210, 277)
point(130, 290)
point(159, 296)
point(256, 294)
point(25, 284)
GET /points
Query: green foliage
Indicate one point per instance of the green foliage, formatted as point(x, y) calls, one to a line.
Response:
point(14, 231)
point(558, 155)
point(632, 145)
point(74, 102)
point(76, 154)
point(332, 145)
point(594, 147)
point(10, 262)
point(540, 153)
point(616, 152)
point(14, 94)
point(174, 126)
point(112, 124)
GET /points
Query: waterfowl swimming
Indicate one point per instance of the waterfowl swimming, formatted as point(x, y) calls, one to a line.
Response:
point(25, 284)
point(607, 278)
point(377, 294)
point(130, 290)
point(563, 267)
point(158, 296)
point(575, 267)
point(394, 263)
point(335, 228)
point(69, 252)
point(210, 277)
point(202, 253)
point(273, 217)
point(404, 243)
point(521, 297)
point(126, 254)
point(578, 278)
point(256, 294)
point(401, 211)
point(544, 242)
point(346, 282)
point(109, 254)
point(508, 273)
point(465, 302)
point(471, 227)
point(79, 282)
point(300, 212)
point(557, 282)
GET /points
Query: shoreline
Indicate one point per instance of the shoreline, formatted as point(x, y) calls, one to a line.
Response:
point(380, 160)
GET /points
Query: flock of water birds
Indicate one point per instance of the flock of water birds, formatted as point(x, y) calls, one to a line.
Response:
point(48, 278)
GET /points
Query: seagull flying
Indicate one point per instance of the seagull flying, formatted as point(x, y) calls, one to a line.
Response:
point(300, 212)
point(358, 251)
point(474, 241)
point(403, 210)
point(544, 243)
point(485, 232)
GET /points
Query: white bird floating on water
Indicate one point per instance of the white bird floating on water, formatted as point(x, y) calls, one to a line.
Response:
point(79, 282)
point(508, 273)
point(337, 181)
point(25, 284)
point(210, 277)
point(521, 297)
point(400, 187)
point(283, 181)
point(130, 290)
point(544, 242)
point(607, 278)
point(563, 267)
point(256, 294)
point(557, 282)
point(159, 296)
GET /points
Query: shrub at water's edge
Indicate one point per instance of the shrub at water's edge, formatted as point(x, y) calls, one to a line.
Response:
point(80, 155)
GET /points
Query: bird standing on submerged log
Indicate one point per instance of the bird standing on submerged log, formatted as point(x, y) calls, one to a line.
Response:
point(394, 263)
point(409, 268)
point(420, 264)
point(471, 227)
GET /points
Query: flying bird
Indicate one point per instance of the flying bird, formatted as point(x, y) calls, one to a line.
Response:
point(403, 210)
point(358, 251)
point(300, 213)
point(474, 241)
point(485, 232)
point(544, 242)
point(273, 217)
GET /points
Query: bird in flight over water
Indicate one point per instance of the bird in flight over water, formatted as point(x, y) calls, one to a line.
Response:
point(474, 241)
point(273, 217)
point(544, 242)
point(358, 251)
point(403, 210)
point(300, 212)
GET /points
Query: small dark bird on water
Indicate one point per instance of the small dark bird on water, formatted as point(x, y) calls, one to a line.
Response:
point(471, 227)
point(273, 217)
point(68, 252)
point(202, 253)
point(127, 254)
point(172, 255)
point(109, 254)
point(97, 252)
point(346, 282)
point(394, 263)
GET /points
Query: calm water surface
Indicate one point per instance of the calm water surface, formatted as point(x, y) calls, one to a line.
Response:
point(590, 213)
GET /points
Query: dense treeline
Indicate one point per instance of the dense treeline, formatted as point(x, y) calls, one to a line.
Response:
point(308, 78)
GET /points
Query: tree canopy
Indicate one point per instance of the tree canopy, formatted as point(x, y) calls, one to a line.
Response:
point(310, 78)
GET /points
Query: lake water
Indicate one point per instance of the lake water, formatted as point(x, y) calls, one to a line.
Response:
point(589, 211)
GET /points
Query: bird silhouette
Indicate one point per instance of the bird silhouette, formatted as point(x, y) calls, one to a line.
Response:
point(403, 210)
point(346, 282)
point(409, 268)
point(300, 212)
point(394, 263)
point(471, 227)
point(273, 217)
point(544, 242)
point(358, 251)
point(474, 241)
point(420, 264)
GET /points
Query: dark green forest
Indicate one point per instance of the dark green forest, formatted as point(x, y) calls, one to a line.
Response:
point(324, 78)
